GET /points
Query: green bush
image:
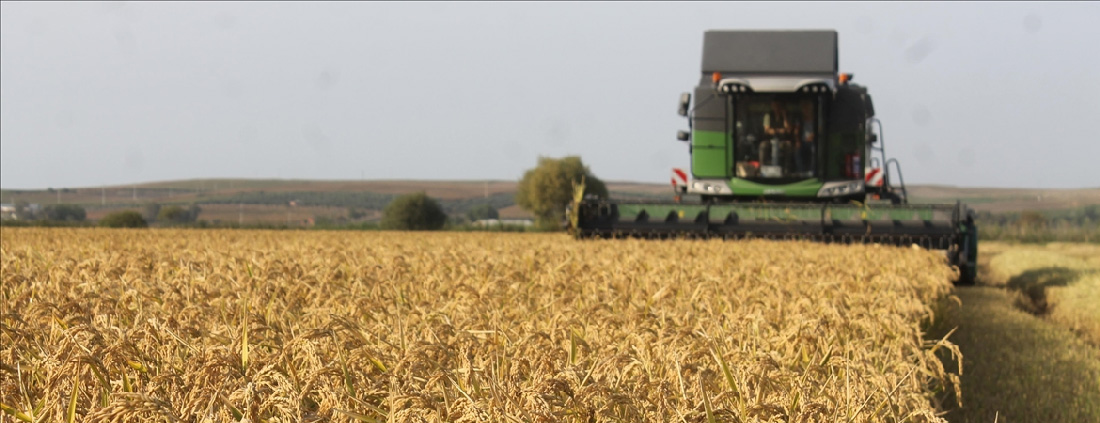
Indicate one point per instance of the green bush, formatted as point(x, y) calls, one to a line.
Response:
point(123, 219)
point(416, 212)
point(64, 212)
point(174, 214)
point(178, 214)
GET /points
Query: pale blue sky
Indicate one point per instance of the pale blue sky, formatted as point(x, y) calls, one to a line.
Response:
point(971, 94)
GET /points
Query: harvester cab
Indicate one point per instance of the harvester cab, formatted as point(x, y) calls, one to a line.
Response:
point(774, 120)
point(782, 145)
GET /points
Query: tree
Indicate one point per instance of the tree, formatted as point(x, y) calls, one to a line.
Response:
point(173, 214)
point(123, 219)
point(64, 212)
point(484, 211)
point(413, 212)
point(178, 214)
point(150, 211)
point(193, 212)
point(547, 189)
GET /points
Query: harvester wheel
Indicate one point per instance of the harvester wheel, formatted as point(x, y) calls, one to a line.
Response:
point(966, 277)
point(968, 254)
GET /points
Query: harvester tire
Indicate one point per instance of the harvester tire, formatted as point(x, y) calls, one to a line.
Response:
point(968, 255)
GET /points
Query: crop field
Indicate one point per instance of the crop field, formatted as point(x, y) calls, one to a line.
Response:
point(210, 326)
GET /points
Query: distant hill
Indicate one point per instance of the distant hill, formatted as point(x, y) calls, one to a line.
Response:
point(1000, 200)
point(271, 200)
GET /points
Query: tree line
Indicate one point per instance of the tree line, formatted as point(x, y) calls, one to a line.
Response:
point(544, 191)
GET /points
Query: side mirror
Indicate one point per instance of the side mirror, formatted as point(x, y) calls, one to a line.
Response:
point(682, 135)
point(685, 100)
point(872, 137)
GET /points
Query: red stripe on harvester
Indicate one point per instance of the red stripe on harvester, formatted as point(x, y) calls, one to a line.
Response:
point(872, 174)
point(683, 176)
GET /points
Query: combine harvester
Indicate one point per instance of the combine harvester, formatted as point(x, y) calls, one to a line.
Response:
point(784, 147)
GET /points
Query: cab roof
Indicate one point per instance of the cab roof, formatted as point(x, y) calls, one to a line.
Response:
point(770, 52)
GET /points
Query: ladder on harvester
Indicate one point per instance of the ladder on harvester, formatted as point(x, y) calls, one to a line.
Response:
point(880, 164)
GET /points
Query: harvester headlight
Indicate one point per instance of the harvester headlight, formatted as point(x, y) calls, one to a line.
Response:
point(733, 87)
point(711, 187)
point(835, 189)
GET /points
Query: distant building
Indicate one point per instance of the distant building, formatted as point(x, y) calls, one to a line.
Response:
point(7, 211)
